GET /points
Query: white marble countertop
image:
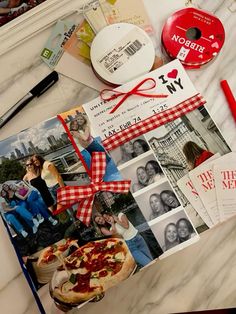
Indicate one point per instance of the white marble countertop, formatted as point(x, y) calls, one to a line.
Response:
point(203, 276)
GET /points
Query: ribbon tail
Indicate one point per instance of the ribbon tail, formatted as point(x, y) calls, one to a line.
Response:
point(119, 103)
point(84, 212)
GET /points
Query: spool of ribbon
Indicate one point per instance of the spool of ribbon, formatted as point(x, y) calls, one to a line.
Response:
point(69, 195)
point(136, 90)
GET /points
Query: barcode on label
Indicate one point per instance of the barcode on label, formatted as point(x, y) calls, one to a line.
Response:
point(133, 48)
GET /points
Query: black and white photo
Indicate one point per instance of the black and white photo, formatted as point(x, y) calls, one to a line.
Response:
point(157, 201)
point(143, 172)
point(174, 230)
point(182, 145)
point(130, 150)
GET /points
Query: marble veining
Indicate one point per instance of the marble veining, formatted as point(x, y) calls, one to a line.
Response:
point(199, 277)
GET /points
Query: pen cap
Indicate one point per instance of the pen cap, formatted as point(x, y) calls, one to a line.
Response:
point(45, 84)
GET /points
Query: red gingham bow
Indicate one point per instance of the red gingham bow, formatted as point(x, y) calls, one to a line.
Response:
point(134, 91)
point(69, 195)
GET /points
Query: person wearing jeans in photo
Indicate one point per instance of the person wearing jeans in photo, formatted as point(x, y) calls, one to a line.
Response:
point(9, 213)
point(32, 201)
point(81, 133)
point(11, 219)
point(54, 181)
point(122, 226)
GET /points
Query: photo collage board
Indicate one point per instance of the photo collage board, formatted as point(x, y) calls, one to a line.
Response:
point(46, 171)
point(153, 143)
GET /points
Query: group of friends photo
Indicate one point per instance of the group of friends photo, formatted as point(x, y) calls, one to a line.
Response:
point(143, 172)
point(28, 203)
point(119, 226)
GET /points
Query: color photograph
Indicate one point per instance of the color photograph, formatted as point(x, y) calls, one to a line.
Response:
point(82, 136)
point(11, 9)
point(120, 216)
point(33, 165)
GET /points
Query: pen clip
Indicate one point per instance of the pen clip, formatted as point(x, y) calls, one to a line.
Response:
point(46, 88)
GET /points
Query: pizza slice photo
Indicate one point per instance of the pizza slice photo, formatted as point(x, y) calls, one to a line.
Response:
point(91, 270)
point(55, 252)
point(46, 261)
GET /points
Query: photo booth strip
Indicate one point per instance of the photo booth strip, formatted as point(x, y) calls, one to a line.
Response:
point(153, 122)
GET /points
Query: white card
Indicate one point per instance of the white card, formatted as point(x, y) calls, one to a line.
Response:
point(189, 190)
point(225, 182)
point(187, 187)
point(203, 180)
point(78, 71)
point(171, 80)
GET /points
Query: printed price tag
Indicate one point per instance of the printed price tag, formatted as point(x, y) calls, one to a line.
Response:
point(122, 51)
point(53, 49)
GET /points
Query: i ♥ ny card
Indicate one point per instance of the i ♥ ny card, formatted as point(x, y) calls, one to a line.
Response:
point(91, 196)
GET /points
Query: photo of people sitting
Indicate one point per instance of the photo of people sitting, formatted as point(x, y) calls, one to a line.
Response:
point(29, 200)
point(174, 230)
point(130, 150)
point(146, 175)
point(120, 226)
point(80, 129)
point(24, 206)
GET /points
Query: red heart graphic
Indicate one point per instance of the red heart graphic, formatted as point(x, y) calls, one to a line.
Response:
point(172, 74)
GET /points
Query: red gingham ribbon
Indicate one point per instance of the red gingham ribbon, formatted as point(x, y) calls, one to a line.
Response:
point(69, 195)
point(134, 91)
point(153, 122)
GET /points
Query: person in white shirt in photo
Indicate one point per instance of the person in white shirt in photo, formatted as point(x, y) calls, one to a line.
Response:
point(120, 225)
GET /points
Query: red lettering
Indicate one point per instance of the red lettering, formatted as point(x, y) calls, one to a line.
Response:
point(205, 176)
point(189, 184)
point(229, 185)
point(210, 185)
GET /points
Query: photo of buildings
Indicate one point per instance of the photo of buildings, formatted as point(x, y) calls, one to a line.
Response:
point(168, 141)
point(47, 139)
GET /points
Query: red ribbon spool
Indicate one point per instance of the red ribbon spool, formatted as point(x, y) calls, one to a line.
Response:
point(193, 36)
